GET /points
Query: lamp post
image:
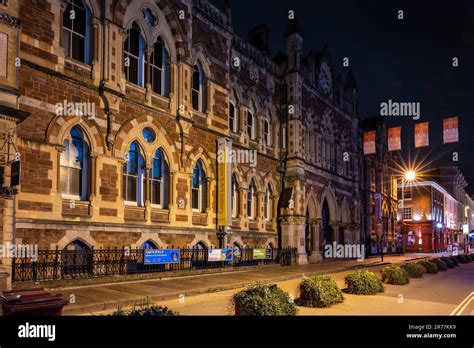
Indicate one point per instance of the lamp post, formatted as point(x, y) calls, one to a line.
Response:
point(408, 176)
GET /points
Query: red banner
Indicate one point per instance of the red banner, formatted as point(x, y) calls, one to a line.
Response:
point(421, 134)
point(369, 143)
point(395, 139)
point(450, 130)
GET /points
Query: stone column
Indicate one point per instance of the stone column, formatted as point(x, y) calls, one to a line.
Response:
point(315, 247)
point(293, 235)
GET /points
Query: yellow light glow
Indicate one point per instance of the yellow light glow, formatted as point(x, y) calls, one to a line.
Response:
point(410, 175)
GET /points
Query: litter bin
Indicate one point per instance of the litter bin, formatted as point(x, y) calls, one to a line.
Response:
point(32, 302)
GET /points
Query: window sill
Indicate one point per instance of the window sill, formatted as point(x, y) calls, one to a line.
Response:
point(78, 63)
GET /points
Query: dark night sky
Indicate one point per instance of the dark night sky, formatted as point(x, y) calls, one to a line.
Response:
point(407, 61)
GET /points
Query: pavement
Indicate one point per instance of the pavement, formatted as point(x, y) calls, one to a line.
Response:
point(105, 298)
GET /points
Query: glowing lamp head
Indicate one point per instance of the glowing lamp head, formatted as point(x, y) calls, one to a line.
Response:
point(410, 175)
point(439, 225)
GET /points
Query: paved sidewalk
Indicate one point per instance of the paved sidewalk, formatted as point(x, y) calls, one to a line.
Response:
point(93, 298)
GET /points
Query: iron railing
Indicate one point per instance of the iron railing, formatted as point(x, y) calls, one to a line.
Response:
point(64, 264)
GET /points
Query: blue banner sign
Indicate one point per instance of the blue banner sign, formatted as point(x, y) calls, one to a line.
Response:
point(159, 256)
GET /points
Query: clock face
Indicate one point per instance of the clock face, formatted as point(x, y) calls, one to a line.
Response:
point(324, 80)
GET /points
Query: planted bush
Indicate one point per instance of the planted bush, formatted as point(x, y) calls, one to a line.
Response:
point(394, 275)
point(431, 267)
point(449, 263)
point(263, 300)
point(414, 270)
point(455, 260)
point(146, 311)
point(320, 291)
point(471, 256)
point(363, 283)
point(442, 266)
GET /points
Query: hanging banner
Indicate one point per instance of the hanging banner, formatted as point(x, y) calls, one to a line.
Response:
point(224, 172)
point(421, 134)
point(369, 142)
point(450, 130)
point(395, 139)
point(160, 256)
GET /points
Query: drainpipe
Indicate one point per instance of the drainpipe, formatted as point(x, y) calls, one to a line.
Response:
point(103, 79)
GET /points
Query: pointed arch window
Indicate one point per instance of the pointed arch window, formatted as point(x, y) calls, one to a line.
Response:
point(235, 197)
point(160, 69)
point(199, 188)
point(159, 181)
point(267, 132)
point(232, 117)
point(251, 201)
point(133, 176)
point(77, 34)
point(268, 203)
point(198, 89)
point(251, 124)
point(74, 165)
point(134, 50)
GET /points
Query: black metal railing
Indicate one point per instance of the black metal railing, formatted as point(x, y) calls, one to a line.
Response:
point(59, 264)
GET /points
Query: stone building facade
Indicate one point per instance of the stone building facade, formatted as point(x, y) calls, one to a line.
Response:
point(381, 174)
point(123, 103)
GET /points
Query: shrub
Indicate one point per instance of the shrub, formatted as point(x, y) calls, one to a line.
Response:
point(363, 283)
point(431, 267)
point(471, 256)
point(146, 311)
point(455, 260)
point(320, 291)
point(394, 275)
point(414, 270)
point(442, 266)
point(449, 263)
point(263, 300)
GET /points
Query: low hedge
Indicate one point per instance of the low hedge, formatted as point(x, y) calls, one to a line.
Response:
point(320, 291)
point(455, 260)
point(442, 266)
point(263, 300)
point(447, 260)
point(463, 258)
point(394, 275)
point(146, 311)
point(414, 270)
point(431, 267)
point(471, 256)
point(363, 283)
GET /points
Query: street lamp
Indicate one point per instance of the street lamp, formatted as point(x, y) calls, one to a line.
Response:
point(408, 176)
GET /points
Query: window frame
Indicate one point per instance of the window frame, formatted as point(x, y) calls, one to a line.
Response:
point(139, 177)
point(70, 32)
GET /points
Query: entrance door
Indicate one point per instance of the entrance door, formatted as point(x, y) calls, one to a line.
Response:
point(327, 229)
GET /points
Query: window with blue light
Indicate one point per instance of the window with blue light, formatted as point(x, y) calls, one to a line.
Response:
point(77, 34)
point(134, 49)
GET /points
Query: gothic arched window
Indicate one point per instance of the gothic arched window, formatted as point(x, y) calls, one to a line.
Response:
point(133, 175)
point(198, 88)
point(160, 69)
point(159, 180)
point(251, 201)
point(199, 188)
point(134, 50)
point(74, 171)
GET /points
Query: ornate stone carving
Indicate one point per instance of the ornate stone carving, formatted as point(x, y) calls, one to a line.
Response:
point(10, 20)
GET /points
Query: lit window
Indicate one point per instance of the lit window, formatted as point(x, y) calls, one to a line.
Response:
point(407, 192)
point(411, 238)
point(199, 188)
point(74, 167)
point(134, 49)
point(133, 175)
point(407, 213)
point(77, 31)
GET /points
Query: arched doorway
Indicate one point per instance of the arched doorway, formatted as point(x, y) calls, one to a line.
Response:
point(326, 218)
point(149, 245)
point(76, 260)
